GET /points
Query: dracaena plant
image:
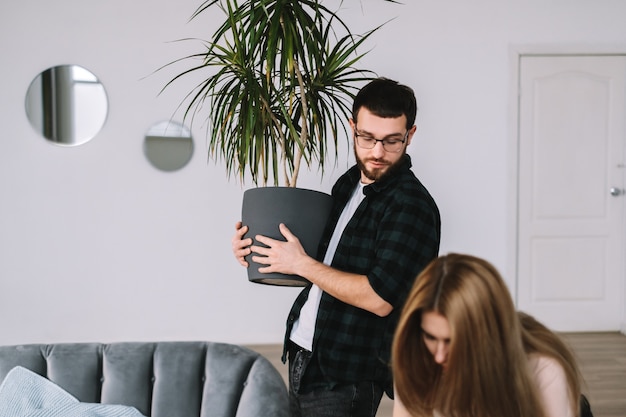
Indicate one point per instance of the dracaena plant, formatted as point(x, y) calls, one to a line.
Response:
point(280, 79)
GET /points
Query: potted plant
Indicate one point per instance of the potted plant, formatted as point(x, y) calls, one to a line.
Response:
point(281, 79)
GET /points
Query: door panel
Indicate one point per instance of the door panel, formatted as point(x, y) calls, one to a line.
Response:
point(570, 227)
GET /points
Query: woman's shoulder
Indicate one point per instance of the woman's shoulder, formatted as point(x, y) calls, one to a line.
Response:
point(545, 369)
point(540, 362)
point(552, 385)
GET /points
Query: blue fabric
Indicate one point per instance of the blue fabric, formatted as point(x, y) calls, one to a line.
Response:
point(24, 393)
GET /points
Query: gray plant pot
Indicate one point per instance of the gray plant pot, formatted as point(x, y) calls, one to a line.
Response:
point(303, 211)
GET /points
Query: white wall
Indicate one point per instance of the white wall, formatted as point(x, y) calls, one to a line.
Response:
point(97, 245)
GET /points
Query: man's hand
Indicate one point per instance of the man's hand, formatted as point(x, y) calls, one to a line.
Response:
point(282, 257)
point(290, 258)
point(241, 246)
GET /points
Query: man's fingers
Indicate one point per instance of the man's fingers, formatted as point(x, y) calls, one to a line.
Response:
point(284, 230)
point(260, 250)
point(239, 245)
point(242, 231)
point(267, 241)
point(260, 260)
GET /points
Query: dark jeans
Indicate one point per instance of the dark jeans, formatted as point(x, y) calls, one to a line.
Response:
point(349, 400)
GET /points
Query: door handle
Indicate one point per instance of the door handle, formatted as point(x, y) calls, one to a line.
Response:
point(616, 191)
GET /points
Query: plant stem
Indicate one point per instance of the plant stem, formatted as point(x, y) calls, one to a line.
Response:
point(304, 135)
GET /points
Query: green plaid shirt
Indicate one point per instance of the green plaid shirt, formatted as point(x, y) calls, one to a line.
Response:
point(391, 237)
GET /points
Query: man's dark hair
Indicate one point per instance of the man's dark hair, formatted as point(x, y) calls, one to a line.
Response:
point(386, 98)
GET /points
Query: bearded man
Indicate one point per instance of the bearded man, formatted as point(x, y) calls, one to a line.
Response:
point(384, 228)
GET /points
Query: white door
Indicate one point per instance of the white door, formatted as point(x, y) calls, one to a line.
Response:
point(571, 229)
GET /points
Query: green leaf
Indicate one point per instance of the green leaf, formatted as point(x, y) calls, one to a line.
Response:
point(280, 79)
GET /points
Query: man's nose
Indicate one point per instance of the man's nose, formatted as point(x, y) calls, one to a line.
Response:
point(378, 149)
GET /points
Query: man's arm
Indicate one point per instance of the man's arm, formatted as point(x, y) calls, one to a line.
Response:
point(290, 258)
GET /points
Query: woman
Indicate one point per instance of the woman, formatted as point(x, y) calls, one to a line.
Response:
point(462, 350)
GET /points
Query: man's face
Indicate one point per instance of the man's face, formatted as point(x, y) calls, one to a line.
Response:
point(376, 162)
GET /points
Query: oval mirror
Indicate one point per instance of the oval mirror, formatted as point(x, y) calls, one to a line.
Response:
point(168, 145)
point(66, 104)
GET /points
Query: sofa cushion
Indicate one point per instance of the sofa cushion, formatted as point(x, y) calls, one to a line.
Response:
point(24, 393)
point(160, 379)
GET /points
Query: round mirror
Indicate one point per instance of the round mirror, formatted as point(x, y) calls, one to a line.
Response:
point(67, 104)
point(168, 145)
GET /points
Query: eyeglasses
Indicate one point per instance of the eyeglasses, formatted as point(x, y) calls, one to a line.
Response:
point(394, 145)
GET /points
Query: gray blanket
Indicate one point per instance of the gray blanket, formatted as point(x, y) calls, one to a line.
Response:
point(24, 393)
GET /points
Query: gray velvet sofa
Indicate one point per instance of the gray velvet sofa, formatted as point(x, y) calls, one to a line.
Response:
point(163, 379)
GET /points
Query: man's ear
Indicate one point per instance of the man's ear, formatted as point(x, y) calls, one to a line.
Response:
point(412, 131)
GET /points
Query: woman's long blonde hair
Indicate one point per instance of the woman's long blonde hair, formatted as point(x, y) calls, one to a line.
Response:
point(487, 373)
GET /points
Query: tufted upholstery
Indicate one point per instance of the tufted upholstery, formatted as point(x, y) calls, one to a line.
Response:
point(163, 379)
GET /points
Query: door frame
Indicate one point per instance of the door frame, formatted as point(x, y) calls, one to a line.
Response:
point(515, 54)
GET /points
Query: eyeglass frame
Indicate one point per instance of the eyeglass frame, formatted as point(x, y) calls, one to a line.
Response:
point(357, 134)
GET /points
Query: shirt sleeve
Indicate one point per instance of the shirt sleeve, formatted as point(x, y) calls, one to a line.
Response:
point(407, 239)
point(552, 386)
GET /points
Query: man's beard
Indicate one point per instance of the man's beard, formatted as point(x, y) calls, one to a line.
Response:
point(378, 173)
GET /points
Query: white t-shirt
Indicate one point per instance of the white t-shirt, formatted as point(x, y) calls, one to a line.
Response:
point(304, 327)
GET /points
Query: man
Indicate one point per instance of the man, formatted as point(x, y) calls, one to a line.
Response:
point(383, 229)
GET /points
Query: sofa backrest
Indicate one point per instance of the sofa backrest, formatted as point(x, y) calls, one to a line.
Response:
point(162, 379)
